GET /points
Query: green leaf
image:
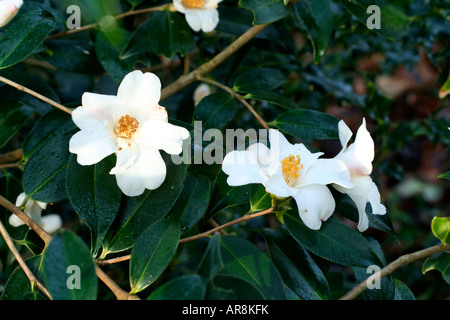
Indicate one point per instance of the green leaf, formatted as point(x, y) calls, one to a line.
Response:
point(244, 260)
point(259, 80)
point(402, 292)
point(152, 253)
point(192, 202)
point(316, 17)
point(441, 228)
point(211, 262)
point(138, 213)
point(393, 20)
point(445, 175)
point(259, 198)
point(273, 98)
point(265, 11)
point(215, 110)
point(225, 287)
point(295, 265)
point(334, 241)
point(225, 196)
point(445, 89)
point(47, 151)
point(94, 196)
point(24, 35)
point(440, 263)
point(169, 34)
point(13, 116)
point(68, 271)
point(308, 124)
point(189, 287)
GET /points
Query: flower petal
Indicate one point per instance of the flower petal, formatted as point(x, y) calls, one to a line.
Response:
point(202, 19)
point(92, 146)
point(375, 200)
point(51, 223)
point(162, 135)
point(326, 171)
point(344, 134)
point(242, 168)
point(148, 172)
point(315, 204)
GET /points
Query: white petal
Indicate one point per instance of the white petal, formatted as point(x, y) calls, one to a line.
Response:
point(99, 106)
point(315, 204)
point(344, 134)
point(138, 93)
point(15, 221)
point(375, 200)
point(202, 19)
point(178, 6)
point(20, 199)
point(92, 146)
point(275, 184)
point(162, 135)
point(51, 222)
point(126, 156)
point(148, 172)
point(8, 10)
point(242, 168)
point(326, 171)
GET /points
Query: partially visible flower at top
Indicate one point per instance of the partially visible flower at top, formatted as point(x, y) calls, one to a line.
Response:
point(290, 170)
point(134, 126)
point(358, 158)
point(50, 223)
point(200, 92)
point(8, 10)
point(200, 14)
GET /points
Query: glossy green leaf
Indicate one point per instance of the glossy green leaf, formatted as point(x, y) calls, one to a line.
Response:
point(13, 116)
point(228, 287)
point(273, 98)
point(334, 241)
point(308, 124)
point(189, 287)
point(259, 198)
point(260, 79)
point(402, 292)
point(215, 110)
point(169, 34)
point(138, 213)
point(265, 11)
point(94, 196)
point(316, 18)
point(152, 253)
point(441, 228)
point(393, 21)
point(47, 151)
point(68, 271)
point(211, 262)
point(440, 263)
point(24, 35)
point(192, 202)
point(295, 265)
point(244, 260)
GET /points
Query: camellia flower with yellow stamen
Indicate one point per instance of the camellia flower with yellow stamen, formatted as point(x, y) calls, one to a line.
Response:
point(134, 127)
point(200, 14)
point(290, 170)
point(358, 158)
point(8, 10)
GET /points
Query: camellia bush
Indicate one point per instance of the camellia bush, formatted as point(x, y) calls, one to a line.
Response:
point(224, 150)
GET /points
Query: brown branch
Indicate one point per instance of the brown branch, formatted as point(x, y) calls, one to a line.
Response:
point(95, 25)
point(238, 97)
point(399, 262)
point(33, 279)
point(207, 67)
point(9, 165)
point(35, 94)
point(11, 156)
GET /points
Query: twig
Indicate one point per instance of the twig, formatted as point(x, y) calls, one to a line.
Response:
point(35, 94)
point(118, 292)
point(33, 279)
point(238, 97)
point(9, 165)
point(399, 262)
point(11, 156)
point(94, 25)
point(207, 67)
point(198, 236)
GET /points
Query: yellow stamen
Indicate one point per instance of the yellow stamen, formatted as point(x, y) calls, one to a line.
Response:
point(126, 126)
point(193, 4)
point(290, 166)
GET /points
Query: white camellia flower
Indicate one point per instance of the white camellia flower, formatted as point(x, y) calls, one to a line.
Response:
point(200, 14)
point(134, 126)
point(358, 158)
point(8, 10)
point(50, 223)
point(288, 170)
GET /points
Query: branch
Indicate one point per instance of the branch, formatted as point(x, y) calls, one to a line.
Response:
point(207, 67)
point(399, 262)
point(35, 94)
point(238, 97)
point(9, 165)
point(11, 156)
point(34, 281)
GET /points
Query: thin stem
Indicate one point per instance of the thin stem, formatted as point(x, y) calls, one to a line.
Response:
point(238, 97)
point(33, 279)
point(198, 236)
point(399, 262)
point(207, 67)
point(11, 156)
point(9, 165)
point(35, 94)
point(95, 25)
point(118, 291)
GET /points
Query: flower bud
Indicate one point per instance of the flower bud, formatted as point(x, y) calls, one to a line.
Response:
point(8, 10)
